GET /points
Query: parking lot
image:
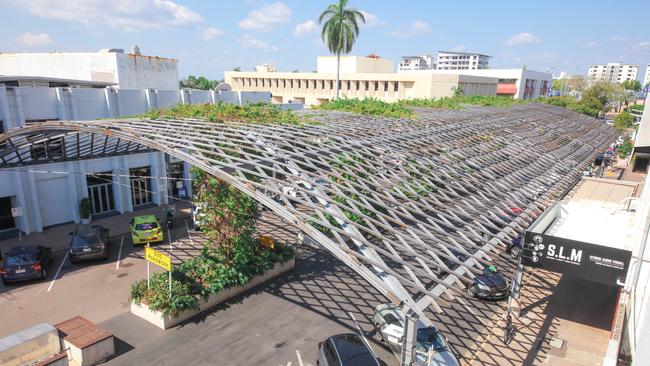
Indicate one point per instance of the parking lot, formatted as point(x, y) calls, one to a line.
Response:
point(282, 321)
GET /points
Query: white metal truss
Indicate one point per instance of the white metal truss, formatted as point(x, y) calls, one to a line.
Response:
point(396, 200)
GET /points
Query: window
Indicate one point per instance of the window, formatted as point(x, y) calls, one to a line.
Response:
point(47, 149)
point(330, 356)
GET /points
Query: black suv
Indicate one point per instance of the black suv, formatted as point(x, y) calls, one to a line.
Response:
point(88, 242)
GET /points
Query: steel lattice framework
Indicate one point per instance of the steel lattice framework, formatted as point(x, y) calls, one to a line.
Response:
point(393, 199)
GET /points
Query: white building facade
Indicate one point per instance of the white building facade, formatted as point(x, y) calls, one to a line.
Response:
point(412, 63)
point(646, 79)
point(613, 72)
point(114, 184)
point(125, 70)
point(448, 60)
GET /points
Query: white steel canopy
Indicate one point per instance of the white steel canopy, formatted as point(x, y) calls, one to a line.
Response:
point(394, 199)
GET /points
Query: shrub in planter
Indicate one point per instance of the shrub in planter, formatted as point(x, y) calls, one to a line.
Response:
point(85, 208)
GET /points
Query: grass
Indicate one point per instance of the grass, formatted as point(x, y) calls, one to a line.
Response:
point(457, 102)
point(259, 113)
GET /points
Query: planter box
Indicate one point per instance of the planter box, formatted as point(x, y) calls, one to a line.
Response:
point(167, 321)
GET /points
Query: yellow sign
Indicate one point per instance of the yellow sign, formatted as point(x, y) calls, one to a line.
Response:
point(158, 258)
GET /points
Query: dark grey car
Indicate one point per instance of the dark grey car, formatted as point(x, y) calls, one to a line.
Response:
point(26, 263)
point(348, 349)
point(88, 242)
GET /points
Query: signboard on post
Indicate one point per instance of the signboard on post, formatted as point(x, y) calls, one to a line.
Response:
point(158, 258)
point(592, 262)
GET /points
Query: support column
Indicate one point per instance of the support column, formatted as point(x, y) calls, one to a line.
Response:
point(73, 180)
point(5, 113)
point(23, 222)
point(187, 175)
point(33, 203)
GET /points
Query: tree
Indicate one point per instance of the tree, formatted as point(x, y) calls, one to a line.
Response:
point(623, 120)
point(608, 94)
point(192, 82)
point(632, 85)
point(340, 31)
point(236, 68)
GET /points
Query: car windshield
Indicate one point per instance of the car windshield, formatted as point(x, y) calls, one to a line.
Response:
point(21, 259)
point(146, 226)
point(429, 338)
point(81, 241)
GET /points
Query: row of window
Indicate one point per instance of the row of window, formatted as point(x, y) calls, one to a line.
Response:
point(353, 85)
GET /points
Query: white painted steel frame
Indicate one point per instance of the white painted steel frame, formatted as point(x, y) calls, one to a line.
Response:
point(418, 188)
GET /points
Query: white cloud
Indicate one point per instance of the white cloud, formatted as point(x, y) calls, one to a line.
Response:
point(266, 17)
point(644, 44)
point(372, 20)
point(414, 28)
point(591, 44)
point(305, 28)
point(248, 41)
point(523, 38)
point(127, 15)
point(34, 39)
point(210, 33)
point(458, 48)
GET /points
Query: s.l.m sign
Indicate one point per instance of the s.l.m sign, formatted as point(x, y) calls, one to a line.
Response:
point(589, 261)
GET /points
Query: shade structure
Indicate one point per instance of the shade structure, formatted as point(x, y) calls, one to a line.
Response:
point(415, 206)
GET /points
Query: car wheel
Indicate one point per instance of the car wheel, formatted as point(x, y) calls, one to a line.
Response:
point(515, 252)
point(471, 290)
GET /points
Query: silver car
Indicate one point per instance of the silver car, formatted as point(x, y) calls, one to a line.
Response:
point(431, 347)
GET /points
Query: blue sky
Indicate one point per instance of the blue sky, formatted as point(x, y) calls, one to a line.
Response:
point(211, 36)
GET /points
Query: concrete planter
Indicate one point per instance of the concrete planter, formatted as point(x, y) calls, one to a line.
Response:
point(167, 321)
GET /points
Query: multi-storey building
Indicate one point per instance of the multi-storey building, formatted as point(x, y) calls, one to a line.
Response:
point(613, 72)
point(646, 79)
point(411, 63)
point(360, 77)
point(448, 60)
point(125, 70)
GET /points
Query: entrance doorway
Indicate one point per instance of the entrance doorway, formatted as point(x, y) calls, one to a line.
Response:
point(141, 186)
point(100, 192)
point(6, 219)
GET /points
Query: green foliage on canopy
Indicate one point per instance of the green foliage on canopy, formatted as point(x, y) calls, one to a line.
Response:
point(202, 83)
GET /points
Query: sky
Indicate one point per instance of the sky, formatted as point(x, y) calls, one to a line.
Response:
point(209, 37)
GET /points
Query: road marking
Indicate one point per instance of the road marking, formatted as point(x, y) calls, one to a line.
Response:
point(189, 234)
point(119, 254)
point(299, 358)
point(57, 272)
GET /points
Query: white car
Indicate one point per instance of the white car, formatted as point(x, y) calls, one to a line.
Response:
point(431, 348)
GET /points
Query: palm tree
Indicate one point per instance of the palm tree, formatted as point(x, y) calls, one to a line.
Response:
point(340, 30)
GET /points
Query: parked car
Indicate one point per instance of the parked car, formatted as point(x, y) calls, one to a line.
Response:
point(146, 229)
point(348, 349)
point(88, 242)
point(490, 285)
point(26, 263)
point(431, 347)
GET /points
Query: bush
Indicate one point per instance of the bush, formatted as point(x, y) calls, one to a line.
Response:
point(259, 113)
point(590, 106)
point(368, 106)
point(623, 120)
point(201, 277)
point(457, 102)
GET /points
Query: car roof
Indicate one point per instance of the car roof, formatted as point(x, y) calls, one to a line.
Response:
point(23, 249)
point(144, 219)
point(352, 350)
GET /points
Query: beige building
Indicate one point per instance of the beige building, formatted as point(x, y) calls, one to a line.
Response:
point(361, 77)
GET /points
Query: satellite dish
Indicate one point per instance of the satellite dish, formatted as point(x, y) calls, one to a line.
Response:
point(223, 87)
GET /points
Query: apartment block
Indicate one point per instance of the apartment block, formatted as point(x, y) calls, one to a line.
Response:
point(448, 60)
point(613, 72)
point(412, 63)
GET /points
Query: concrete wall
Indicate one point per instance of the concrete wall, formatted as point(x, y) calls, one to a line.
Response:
point(29, 345)
point(354, 64)
point(129, 71)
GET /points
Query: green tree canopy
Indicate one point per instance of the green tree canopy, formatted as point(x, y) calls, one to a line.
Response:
point(632, 85)
point(623, 120)
point(340, 31)
point(192, 82)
